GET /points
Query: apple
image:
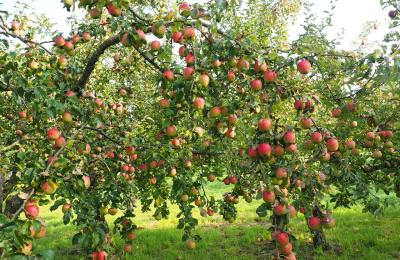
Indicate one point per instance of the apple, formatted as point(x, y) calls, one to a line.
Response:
point(211, 177)
point(281, 173)
point(392, 14)
point(188, 73)
point(264, 149)
point(353, 124)
point(264, 124)
point(256, 84)
point(177, 37)
point(22, 114)
point(182, 51)
point(112, 211)
point(216, 63)
point(306, 123)
point(59, 142)
point(170, 131)
point(128, 248)
point(278, 150)
point(280, 209)
point(95, 13)
point(188, 164)
point(164, 103)
point(204, 80)
point(270, 76)
point(232, 119)
point(34, 65)
point(215, 112)
point(86, 36)
point(227, 181)
point(336, 112)
point(316, 137)
point(113, 10)
point(158, 30)
point(298, 104)
point(67, 117)
point(184, 198)
point(191, 244)
point(68, 45)
point(304, 66)
point(155, 45)
point(66, 207)
point(230, 133)
point(86, 181)
point(190, 58)
point(252, 152)
point(314, 223)
point(260, 67)
point(189, 33)
point(59, 41)
point(48, 187)
point(282, 238)
point(27, 248)
point(233, 179)
point(100, 255)
point(351, 106)
point(75, 38)
point(292, 210)
point(370, 135)
point(168, 75)
point(153, 181)
point(286, 249)
point(377, 154)
point(269, 196)
point(350, 144)
point(231, 76)
point(332, 145)
point(289, 137)
point(31, 209)
point(199, 103)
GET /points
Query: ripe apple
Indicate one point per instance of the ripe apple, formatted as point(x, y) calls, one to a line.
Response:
point(286, 249)
point(314, 223)
point(128, 248)
point(95, 13)
point(270, 76)
point(190, 58)
point(215, 112)
point(86, 36)
point(278, 150)
point(264, 149)
point(316, 137)
point(336, 112)
point(204, 80)
point(350, 144)
point(188, 73)
point(231, 76)
point(304, 66)
point(48, 187)
point(216, 63)
point(260, 66)
point(153, 181)
point(252, 152)
point(232, 119)
point(281, 173)
point(211, 177)
point(292, 210)
point(75, 38)
point(199, 103)
point(113, 10)
point(22, 114)
point(298, 104)
point(191, 244)
point(264, 124)
point(306, 123)
point(158, 30)
point(353, 124)
point(256, 84)
point(280, 209)
point(31, 209)
point(164, 103)
point(269, 196)
point(282, 238)
point(169, 75)
point(170, 131)
point(189, 33)
point(59, 41)
point(155, 45)
point(68, 45)
point(289, 137)
point(177, 37)
point(377, 154)
point(332, 145)
point(59, 142)
point(27, 248)
point(370, 135)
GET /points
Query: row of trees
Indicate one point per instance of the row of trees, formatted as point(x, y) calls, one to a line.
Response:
point(197, 94)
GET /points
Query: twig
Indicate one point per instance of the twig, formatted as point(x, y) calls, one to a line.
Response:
point(16, 214)
point(5, 148)
point(103, 134)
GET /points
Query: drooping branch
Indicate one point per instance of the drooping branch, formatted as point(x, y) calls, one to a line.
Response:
point(94, 57)
point(103, 134)
point(26, 41)
point(151, 61)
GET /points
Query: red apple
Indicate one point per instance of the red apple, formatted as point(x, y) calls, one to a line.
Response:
point(264, 149)
point(199, 103)
point(281, 173)
point(350, 144)
point(264, 124)
point(189, 33)
point(278, 150)
point(215, 112)
point(280, 209)
point(169, 75)
point(314, 223)
point(190, 58)
point(256, 84)
point(304, 66)
point(53, 133)
point(188, 73)
point(252, 152)
point(155, 45)
point(113, 10)
point(231, 76)
point(332, 145)
point(270, 76)
point(298, 104)
point(164, 103)
point(336, 112)
point(59, 41)
point(282, 238)
point(177, 37)
point(289, 137)
point(316, 137)
point(171, 131)
point(204, 80)
point(269, 196)
point(306, 123)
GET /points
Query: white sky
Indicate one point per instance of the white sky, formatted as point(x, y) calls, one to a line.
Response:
point(350, 15)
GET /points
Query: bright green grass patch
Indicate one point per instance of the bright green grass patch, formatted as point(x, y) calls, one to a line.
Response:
point(357, 236)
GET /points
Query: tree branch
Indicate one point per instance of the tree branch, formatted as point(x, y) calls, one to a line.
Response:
point(103, 134)
point(113, 40)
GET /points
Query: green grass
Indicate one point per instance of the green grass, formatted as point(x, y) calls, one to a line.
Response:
point(357, 235)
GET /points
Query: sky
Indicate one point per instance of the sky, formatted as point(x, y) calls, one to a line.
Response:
point(349, 15)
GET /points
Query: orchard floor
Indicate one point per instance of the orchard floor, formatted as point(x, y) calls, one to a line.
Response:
point(357, 235)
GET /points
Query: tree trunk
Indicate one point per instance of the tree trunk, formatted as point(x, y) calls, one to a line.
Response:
point(319, 239)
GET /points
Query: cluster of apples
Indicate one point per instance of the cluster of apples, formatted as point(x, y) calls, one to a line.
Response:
point(69, 45)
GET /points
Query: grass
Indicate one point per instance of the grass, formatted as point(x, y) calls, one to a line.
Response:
point(357, 235)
